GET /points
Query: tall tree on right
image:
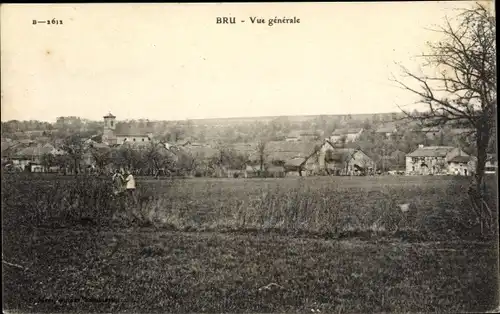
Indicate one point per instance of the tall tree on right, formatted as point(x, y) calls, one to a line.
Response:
point(461, 87)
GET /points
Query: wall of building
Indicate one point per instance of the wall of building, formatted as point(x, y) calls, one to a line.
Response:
point(437, 165)
point(463, 169)
point(352, 137)
point(434, 165)
point(108, 135)
point(348, 137)
point(131, 139)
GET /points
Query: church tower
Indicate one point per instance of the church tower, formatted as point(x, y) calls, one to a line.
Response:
point(108, 135)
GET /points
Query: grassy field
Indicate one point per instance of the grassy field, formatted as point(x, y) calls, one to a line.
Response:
point(334, 244)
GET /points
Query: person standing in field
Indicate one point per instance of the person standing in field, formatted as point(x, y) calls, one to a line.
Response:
point(118, 188)
point(130, 186)
point(118, 183)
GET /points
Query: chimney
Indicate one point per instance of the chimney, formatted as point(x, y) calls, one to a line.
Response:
point(420, 145)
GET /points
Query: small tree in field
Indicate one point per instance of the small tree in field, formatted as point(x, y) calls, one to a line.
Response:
point(74, 148)
point(461, 90)
point(101, 157)
point(47, 160)
point(262, 153)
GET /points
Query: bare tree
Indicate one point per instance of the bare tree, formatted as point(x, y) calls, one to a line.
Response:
point(159, 158)
point(47, 160)
point(461, 91)
point(101, 157)
point(262, 153)
point(75, 148)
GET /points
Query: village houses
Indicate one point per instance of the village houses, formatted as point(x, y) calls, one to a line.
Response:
point(31, 157)
point(427, 160)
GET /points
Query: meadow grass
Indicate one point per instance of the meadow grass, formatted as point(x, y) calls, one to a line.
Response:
point(329, 244)
point(439, 208)
point(179, 272)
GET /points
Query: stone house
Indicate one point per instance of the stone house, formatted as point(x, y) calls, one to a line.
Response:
point(461, 165)
point(344, 161)
point(302, 166)
point(426, 160)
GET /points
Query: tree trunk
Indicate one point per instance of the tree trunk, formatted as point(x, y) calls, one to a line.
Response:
point(482, 142)
point(76, 167)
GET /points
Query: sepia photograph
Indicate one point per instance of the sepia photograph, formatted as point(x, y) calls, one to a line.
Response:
point(328, 157)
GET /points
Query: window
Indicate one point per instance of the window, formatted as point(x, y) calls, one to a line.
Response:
point(111, 123)
point(143, 140)
point(134, 140)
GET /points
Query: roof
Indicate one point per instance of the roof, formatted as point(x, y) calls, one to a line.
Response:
point(397, 152)
point(460, 159)
point(347, 131)
point(430, 129)
point(98, 145)
point(35, 151)
point(129, 130)
point(386, 128)
point(342, 154)
point(8, 145)
point(109, 115)
point(295, 162)
point(299, 133)
point(242, 148)
point(281, 150)
point(294, 133)
point(431, 151)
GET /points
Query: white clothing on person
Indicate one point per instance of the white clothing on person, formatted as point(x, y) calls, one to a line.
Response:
point(130, 182)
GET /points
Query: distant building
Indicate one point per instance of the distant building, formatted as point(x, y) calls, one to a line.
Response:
point(282, 151)
point(301, 135)
point(431, 132)
point(491, 164)
point(344, 161)
point(32, 155)
point(350, 135)
point(108, 135)
point(387, 130)
point(426, 160)
point(113, 136)
point(461, 165)
point(302, 166)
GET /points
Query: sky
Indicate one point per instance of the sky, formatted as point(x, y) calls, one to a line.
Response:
point(174, 62)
